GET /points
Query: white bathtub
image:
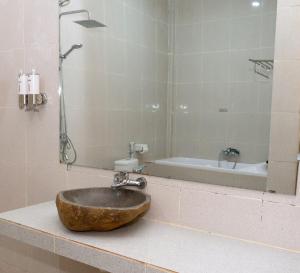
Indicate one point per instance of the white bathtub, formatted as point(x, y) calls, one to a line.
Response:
point(258, 169)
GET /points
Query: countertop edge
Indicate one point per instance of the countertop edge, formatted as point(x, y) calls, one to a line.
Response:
point(86, 254)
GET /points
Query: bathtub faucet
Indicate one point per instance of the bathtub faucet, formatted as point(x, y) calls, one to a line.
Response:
point(231, 154)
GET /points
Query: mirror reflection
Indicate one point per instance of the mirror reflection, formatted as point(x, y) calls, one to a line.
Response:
point(171, 88)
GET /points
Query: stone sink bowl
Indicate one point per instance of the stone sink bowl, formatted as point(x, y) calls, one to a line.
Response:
point(100, 209)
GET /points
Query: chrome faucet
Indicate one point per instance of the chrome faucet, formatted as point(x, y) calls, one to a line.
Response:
point(229, 153)
point(122, 179)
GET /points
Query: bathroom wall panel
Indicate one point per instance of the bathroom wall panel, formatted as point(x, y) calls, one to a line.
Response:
point(287, 40)
point(288, 3)
point(10, 63)
point(15, 39)
point(285, 113)
point(36, 13)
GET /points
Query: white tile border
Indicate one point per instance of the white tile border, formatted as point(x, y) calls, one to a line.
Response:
point(85, 254)
point(26, 235)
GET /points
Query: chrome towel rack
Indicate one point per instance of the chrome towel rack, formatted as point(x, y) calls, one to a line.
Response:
point(263, 67)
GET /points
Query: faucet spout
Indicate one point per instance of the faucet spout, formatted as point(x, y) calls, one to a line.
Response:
point(229, 154)
point(122, 179)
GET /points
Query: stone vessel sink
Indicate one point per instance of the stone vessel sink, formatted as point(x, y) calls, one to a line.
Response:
point(100, 209)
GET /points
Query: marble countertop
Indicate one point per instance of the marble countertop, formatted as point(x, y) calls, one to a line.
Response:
point(146, 246)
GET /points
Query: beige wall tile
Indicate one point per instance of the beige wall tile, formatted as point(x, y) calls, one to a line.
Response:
point(13, 180)
point(43, 261)
point(11, 62)
point(12, 142)
point(42, 133)
point(7, 268)
point(225, 190)
point(165, 202)
point(15, 253)
point(8, 251)
point(226, 214)
point(40, 22)
point(70, 266)
point(284, 139)
point(44, 183)
point(287, 33)
point(281, 224)
point(286, 96)
point(282, 177)
point(76, 179)
point(288, 3)
point(12, 33)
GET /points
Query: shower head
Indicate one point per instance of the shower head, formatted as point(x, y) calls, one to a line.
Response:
point(87, 23)
point(90, 23)
point(76, 46)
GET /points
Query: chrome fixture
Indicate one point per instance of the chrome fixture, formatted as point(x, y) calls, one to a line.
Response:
point(76, 46)
point(230, 154)
point(31, 101)
point(68, 154)
point(140, 149)
point(122, 179)
point(131, 150)
point(63, 3)
point(139, 169)
point(137, 148)
point(263, 67)
point(88, 23)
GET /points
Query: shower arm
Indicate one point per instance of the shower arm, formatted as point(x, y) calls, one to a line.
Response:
point(63, 3)
point(75, 12)
point(65, 14)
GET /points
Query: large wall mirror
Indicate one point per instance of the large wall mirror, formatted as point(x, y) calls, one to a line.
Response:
point(171, 88)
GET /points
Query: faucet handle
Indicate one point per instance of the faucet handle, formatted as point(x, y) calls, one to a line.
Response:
point(227, 151)
point(142, 182)
point(124, 174)
point(231, 152)
point(120, 177)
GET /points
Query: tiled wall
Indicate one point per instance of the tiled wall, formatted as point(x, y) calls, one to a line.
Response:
point(219, 101)
point(116, 85)
point(284, 139)
point(30, 172)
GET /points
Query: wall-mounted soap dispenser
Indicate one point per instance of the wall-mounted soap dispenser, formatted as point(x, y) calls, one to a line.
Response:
point(30, 96)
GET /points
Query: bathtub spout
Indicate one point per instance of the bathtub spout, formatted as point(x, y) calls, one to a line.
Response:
point(229, 153)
